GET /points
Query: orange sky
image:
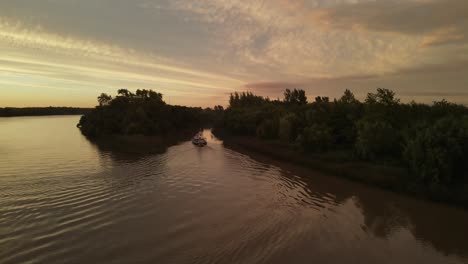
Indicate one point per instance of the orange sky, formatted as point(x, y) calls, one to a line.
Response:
point(64, 53)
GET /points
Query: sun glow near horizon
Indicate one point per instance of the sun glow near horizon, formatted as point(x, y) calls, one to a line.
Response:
point(67, 52)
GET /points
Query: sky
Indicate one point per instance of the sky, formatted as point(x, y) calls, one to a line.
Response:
point(197, 52)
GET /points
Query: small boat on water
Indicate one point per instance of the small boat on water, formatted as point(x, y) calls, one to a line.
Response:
point(199, 140)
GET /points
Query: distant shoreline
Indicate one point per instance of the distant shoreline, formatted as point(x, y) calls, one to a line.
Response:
point(42, 111)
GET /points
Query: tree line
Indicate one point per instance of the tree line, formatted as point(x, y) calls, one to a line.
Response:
point(431, 141)
point(42, 111)
point(141, 113)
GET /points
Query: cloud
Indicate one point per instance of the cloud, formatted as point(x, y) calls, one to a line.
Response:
point(33, 57)
point(16, 34)
point(440, 21)
point(276, 38)
point(192, 50)
point(268, 86)
point(448, 35)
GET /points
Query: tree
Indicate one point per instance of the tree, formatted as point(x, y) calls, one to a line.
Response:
point(155, 96)
point(104, 99)
point(295, 97)
point(142, 93)
point(124, 93)
point(377, 139)
point(219, 108)
point(383, 96)
point(343, 118)
point(348, 98)
point(246, 99)
point(268, 129)
point(438, 153)
point(322, 99)
point(142, 113)
point(383, 106)
point(316, 137)
point(286, 130)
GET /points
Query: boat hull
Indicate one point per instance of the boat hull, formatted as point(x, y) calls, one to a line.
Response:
point(200, 143)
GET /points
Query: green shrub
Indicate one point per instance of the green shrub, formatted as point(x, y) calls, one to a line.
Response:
point(268, 129)
point(438, 154)
point(377, 139)
point(316, 137)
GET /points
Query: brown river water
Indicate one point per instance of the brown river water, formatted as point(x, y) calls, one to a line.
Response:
point(64, 199)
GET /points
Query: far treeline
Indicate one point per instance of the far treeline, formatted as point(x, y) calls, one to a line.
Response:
point(429, 142)
point(42, 111)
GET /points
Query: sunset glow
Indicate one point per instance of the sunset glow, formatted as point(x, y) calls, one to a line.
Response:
point(64, 53)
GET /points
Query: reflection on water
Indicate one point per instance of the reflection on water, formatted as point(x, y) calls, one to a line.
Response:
point(64, 199)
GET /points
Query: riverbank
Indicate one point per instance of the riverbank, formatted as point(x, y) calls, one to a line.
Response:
point(387, 177)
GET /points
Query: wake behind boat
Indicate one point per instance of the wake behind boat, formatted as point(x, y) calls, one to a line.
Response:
point(199, 140)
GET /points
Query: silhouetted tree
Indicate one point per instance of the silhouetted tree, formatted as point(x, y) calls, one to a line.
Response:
point(295, 97)
point(348, 98)
point(143, 113)
point(429, 139)
point(124, 93)
point(104, 99)
point(383, 96)
point(320, 99)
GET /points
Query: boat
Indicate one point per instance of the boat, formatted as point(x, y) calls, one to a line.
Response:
point(199, 140)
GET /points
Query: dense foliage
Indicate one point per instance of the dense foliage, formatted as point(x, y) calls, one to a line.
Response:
point(42, 111)
point(430, 140)
point(142, 113)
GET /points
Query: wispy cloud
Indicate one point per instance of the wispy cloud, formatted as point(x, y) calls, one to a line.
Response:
point(279, 36)
point(32, 56)
point(444, 22)
point(191, 50)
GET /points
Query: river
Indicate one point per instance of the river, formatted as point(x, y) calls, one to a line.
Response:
point(64, 199)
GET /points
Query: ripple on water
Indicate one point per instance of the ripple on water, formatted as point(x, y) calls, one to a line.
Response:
point(190, 205)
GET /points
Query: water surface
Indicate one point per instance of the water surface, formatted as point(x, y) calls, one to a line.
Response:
point(64, 199)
